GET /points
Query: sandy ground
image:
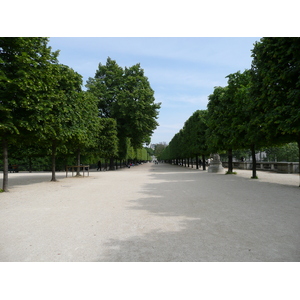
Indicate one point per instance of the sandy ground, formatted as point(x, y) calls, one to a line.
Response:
point(151, 213)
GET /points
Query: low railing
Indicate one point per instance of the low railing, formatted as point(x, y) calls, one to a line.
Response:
point(280, 167)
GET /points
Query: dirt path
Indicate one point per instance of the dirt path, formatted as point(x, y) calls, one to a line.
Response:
point(151, 213)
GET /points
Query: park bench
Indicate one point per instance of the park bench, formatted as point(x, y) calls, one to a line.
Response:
point(74, 169)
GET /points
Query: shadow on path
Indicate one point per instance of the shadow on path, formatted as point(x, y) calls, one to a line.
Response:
point(211, 217)
point(23, 178)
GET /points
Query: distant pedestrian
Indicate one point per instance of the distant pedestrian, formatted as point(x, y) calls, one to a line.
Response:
point(99, 166)
point(15, 168)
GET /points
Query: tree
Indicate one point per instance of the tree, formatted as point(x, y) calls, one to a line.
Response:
point(106, 87)
point(233, 121)
point(85, 126)
point(165, 155)
point(287, 152)
point(220, 116)
point(158, 149)
point(176, 147)
point(150, 151)
point(276, 85)
point(246, 132)
point(194, 136)
point(126, 96)
point(107, 145)
point(137, 110)
point(24, 80)
point(63, 119)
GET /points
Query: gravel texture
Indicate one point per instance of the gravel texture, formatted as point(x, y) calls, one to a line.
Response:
point(156, 213)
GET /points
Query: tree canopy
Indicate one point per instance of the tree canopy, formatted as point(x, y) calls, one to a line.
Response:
point(25, 78)
point(126, 96)
point(276, 83)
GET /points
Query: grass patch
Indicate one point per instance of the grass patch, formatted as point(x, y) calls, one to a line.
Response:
point(255, 177)
point(229, 173)
point(1, 191)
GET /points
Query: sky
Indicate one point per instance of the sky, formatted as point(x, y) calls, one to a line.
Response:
point(182, 71)
point(185, 48)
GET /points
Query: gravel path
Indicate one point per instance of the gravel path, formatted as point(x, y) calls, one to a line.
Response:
point(151, 213)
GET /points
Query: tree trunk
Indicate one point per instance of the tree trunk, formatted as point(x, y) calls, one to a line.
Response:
point(254, 176)
point(197, 162)
point(188, 162)
point(5, 166)
point(111, 164)
point(203, 162)
point(30, 164)
point(53, 160)
point(298, 142)
point(230, 164)
point(78, 163)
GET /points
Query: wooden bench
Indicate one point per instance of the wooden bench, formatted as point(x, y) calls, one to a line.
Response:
point(74, 169)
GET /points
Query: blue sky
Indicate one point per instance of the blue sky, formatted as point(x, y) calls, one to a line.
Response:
point(182, 71)
point(185, 48)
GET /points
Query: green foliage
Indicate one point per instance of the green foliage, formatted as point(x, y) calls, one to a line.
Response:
point(142, 154)
point(232, 121)
point(194, 134)
point(107, 144)
point(158, 149)
point(217, 121)
point(276, 85)
point(240, 153)
point(136, 109)
point(24, 80)
point(190, 141)
point(230, 173)
point(106, 86)
point(61, 114)
point(149, 150)
point(86, 125)
point(288, 152)
point(64, 118)
point(126, 96)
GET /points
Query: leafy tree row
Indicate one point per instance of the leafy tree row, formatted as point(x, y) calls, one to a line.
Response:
point(43, 106)
point(189, 142)
point(258, 108)
point(287, 152)
point(283, 153)
point(41, 102)
point(125, 95)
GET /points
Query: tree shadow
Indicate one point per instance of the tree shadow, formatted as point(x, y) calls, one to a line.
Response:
point(210, 217)
point(21, 179)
